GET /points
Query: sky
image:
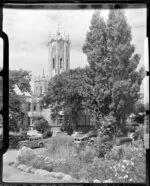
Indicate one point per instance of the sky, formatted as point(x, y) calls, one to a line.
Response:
point(28, 32)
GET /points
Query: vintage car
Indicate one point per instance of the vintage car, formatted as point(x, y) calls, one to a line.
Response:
point(81, 140)
point(33, 142)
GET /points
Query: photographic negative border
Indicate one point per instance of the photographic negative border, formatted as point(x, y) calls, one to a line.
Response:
point(54, 4)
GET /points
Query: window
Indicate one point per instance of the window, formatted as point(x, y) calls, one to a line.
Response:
point(34, 107)
point(29, 106)
point(61, 64)
point(53, 63)
point(60, 119)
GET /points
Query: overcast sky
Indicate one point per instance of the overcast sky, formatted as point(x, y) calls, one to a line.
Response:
point(28, 32)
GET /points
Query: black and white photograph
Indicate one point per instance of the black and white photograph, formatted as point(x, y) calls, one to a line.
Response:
point(78, 95)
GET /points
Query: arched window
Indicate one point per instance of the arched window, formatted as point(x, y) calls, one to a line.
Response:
point(61, 63)
point(53, 63)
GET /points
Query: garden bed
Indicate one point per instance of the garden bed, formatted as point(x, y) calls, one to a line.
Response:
point(63, 158)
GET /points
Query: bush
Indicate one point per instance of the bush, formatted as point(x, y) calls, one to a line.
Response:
point(87, 154)
point(130, 165)
point(99, 169)
point(139, 133)
point(25, 155)
point(104, 144)
point(59, 143)
point(115, 154)
point(68, 129)
point(42, 162)
point(41, 125)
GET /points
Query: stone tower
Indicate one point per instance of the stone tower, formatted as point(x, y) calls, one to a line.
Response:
point(59, 54)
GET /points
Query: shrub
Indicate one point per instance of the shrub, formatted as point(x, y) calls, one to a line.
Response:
point(87, 154)
point(58, 142)
point(139, 133)
point(130, 163)
point(106, 135)
point(98, 169)
point(41, 125)
point(25, 155)
point(116, 153)
point(42, 162)
point(104, 144)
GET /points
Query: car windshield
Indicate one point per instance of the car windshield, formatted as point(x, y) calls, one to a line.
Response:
point(77, 139)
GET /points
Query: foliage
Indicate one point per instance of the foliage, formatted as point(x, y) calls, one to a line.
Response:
point(25, 156)
point(65, 93)
point(42, 162)
point(106, 135)
point(41, 125)
point(58, 143)
point(97, 86)
point(113, 81)
point(68, 128)
point(87, 154)
point(120, 164)
point(124, 61)
point(21, 79)
point(139, 134)
point(127, 168)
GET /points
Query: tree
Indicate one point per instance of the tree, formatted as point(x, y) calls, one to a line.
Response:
point(124, 62)
point(113, 79)
point(21, 79)
point(97, 74)
point(41, 125)
point(65, 92)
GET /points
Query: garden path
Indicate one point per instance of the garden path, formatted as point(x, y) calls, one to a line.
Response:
point(12, 174)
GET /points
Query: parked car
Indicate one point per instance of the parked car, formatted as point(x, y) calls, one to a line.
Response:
point(92, 134)
point(34, 133)
point(76, 134)
point(47, 134)
point(81, 139)
point(59, 133)
point(33, 142)
point(15, 138)
point(123, 140)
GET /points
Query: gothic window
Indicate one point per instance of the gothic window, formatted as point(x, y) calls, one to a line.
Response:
point(61, 63)
point(53, 63)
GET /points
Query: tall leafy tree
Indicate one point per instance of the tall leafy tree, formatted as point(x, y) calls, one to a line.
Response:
point(113, 81)
point(124, 62)
point(97, 74)
point(21, 79)
point(65, 92)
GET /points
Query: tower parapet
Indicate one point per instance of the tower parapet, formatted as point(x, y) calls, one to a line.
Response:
point(59, 53)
